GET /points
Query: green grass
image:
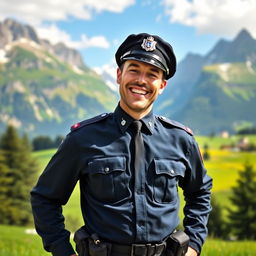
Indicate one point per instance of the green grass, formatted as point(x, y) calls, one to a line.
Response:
point(15, 242)
point(229, 248)
point(43, 157)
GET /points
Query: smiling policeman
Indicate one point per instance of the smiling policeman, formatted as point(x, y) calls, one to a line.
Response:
point(129, 164)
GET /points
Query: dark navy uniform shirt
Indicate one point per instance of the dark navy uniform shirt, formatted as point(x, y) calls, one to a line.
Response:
point(99, 152)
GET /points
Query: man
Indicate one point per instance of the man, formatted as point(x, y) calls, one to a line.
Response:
point(128, 180)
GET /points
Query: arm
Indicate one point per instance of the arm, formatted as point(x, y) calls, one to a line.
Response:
point(196, 187)
point(53, 190)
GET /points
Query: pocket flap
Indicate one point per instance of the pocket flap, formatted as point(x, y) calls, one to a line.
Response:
point(107, 165)
point(169, 167)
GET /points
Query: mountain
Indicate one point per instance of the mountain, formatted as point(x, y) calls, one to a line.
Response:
point(45, 88)
point(173, 99)
point(217, 91)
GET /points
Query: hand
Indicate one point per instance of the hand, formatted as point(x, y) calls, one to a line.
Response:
point(191, 252)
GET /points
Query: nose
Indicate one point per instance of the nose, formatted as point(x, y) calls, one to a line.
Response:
point(141, 78)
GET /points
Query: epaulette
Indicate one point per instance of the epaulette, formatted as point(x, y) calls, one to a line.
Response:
point(175, 124)
point(89, 121)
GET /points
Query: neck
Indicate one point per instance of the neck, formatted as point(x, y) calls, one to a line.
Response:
point(134, 114)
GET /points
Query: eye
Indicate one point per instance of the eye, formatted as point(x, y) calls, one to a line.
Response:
point(153, 75)
point(133, 70)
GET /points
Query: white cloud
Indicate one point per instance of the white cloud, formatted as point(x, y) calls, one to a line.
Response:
point(41, 12)
point(55, 35)
point(219, 17)
point(96, 41)
point(35, 12)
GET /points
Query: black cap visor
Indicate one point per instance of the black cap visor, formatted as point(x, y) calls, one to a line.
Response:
point(146, 57)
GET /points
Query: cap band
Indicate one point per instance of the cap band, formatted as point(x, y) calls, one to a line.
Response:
point(152, 58)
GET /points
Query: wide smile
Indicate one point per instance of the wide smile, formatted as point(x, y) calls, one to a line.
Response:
point(139, 90)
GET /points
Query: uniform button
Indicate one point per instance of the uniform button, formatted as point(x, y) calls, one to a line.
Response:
point(172, 171)
point(107, 169)
point(103, 115)
point(150, 124)
point(141, 224)
point(123, 122)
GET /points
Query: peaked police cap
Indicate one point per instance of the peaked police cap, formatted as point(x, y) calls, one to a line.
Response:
point(150, 49)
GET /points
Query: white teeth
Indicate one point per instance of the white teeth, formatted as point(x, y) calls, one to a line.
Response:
point(139, 91)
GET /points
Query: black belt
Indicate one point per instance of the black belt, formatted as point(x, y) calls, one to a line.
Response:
point(138, 249)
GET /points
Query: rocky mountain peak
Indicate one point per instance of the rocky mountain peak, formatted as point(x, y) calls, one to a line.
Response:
point(69, 55)
point(243, 36)
point(11, 31)
point(240, 49)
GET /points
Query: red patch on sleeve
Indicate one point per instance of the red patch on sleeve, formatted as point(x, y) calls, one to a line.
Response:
point(75, 126)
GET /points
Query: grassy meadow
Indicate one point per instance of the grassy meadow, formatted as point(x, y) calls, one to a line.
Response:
point(223, 166)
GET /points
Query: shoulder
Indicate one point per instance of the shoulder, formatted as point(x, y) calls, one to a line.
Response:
point(86, 122)
point(175, 124)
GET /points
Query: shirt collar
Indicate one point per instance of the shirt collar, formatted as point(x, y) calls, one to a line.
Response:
point(149, 121)
point(124, 120)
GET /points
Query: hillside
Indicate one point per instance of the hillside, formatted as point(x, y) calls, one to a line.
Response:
point(217, 91)
point(224, 99)
point(46, 88)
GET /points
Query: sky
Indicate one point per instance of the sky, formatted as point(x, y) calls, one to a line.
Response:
point(96, 28)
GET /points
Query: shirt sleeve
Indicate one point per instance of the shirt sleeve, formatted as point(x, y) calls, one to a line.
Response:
point(51, 192)
point(197, 194)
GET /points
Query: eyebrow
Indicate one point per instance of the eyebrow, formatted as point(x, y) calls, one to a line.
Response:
point(153, 69)
point(133, 65)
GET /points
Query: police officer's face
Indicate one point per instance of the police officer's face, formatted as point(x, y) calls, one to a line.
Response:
point(140, 85)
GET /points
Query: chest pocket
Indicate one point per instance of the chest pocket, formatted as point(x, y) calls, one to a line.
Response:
point(166, 177)
point(107, 180)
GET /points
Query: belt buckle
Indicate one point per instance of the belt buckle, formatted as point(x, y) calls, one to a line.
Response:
point(139, 249)
point(160, 248)
point(147, 249)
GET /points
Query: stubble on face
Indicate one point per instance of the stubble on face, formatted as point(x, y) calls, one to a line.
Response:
point(140, 85)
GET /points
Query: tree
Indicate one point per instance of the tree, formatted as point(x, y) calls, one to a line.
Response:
point(206, 154)
point(216, 224)
point(57, 141)
point(17, 176)
point(42, 142)
point(5, 181)
point(243, 216)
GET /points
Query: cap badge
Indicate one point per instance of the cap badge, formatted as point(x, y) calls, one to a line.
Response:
point(149, 44)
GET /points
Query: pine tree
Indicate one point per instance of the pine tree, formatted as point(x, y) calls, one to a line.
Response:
point(243, 216)
point(18, 174)
point(5, 184)
point(216, 224)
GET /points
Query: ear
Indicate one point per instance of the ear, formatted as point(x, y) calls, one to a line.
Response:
point(118, 75)
point(162, 86)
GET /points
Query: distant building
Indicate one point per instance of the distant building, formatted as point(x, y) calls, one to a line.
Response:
point(243, 143)
point(224, 134)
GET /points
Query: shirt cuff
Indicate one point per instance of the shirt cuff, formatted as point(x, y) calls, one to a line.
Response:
point(62, 249)
point(195, 247)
